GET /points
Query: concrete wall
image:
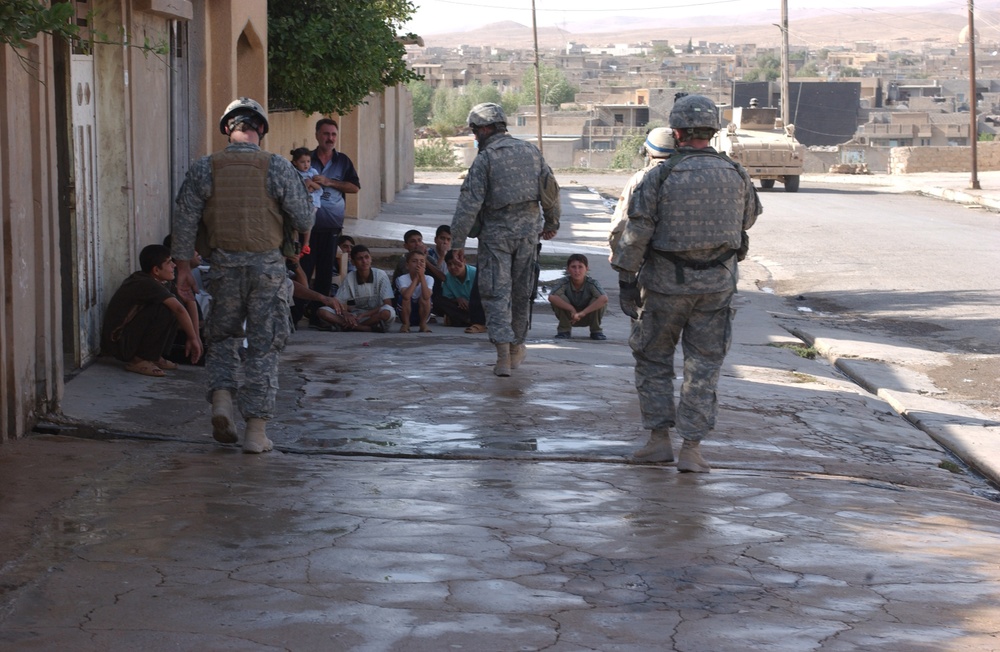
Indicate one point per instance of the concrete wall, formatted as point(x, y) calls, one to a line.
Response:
point(377, 136)
point(31, 364)
point(909, 160)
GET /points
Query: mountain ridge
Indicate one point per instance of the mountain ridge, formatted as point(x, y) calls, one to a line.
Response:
point(812, 28)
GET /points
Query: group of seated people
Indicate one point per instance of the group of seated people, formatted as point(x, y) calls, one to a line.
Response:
point(426, 283)
point(149, 326)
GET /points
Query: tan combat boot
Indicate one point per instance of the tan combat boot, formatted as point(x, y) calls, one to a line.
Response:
point(690, 460)
point(255, 441)
point(657, 449)
point(503, 360)
point(223, 424)
point(517, 353)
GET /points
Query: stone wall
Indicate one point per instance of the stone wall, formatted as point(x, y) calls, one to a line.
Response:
point(910, 160)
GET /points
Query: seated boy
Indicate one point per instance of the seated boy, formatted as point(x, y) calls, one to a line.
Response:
point(435, 256)
point(415, 289)
point(459, 300)
point(366, 295)
point(344, 245)
point(412, 241)
point(142, 317)
point(578, 300)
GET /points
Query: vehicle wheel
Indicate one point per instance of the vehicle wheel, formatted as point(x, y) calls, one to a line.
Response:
point(767, 184)
point(792, 183)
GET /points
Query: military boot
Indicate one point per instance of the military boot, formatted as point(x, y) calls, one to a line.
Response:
point(657, 449)
point(503, 360)
point(517, 353)
point(255, 441)
point(223, 424)
point(690, 459)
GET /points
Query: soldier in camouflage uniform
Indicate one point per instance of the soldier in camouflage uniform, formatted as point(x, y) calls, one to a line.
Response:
point(658, 147)
point(677, 263)
point(501, 194)
point(239, 203)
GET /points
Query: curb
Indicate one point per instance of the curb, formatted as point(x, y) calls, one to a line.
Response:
point(969, 435)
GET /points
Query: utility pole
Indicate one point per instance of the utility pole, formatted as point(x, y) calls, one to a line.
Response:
point(974, 127)
point(538, 78)
point(785, 112)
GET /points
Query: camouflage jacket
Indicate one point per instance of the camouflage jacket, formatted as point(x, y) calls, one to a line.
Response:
point(633, 253)
point(283, 184)
point(507, 182)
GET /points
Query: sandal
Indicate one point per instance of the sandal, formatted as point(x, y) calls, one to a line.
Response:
point(476, 328)
point(146, 368)
point(166, 365)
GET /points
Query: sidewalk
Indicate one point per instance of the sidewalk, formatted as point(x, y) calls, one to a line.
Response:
point(417, 502)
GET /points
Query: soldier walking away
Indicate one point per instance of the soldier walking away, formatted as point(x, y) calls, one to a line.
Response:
point(499, 203)
point(244, 203)
point(677, 256)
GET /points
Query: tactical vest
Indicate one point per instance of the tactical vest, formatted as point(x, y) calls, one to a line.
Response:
point(512, 179)
point(240, 216)
point(701, 203)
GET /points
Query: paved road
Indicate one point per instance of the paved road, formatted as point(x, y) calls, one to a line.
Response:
point(463, 511)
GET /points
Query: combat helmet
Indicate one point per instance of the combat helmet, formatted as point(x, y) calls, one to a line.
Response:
point(694, 112)
point(243, 109)
point(486, 114)
point(659, 143)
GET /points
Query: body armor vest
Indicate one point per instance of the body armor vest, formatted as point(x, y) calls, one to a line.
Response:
point(515, 169)
point(701, 205)
point(240, 216)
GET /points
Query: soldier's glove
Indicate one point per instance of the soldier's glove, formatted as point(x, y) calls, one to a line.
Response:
point(744, 249)
point(629, 298)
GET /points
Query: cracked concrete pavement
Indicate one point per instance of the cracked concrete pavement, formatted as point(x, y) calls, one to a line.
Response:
point(417, 502)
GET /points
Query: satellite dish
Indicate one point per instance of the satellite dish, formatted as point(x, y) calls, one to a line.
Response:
point(963, 36)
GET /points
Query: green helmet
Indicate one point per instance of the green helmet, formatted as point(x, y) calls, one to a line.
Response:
point(659, 143)
point(485, 114)
point(241, 110)
point(694, 112)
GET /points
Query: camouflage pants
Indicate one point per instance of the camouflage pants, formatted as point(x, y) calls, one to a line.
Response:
point(255, 294)
point(703, 325)
point(505, 274)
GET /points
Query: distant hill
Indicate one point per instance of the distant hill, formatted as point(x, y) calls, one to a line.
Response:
point(813, 28)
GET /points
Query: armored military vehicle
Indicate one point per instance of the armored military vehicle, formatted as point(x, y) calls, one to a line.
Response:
point(767, 149)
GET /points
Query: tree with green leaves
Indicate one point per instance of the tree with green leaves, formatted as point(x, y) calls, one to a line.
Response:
point(628, 155)
point(663, 51)
point(808, 70)
point(768, 69)
point(326, 56)
point(556, 89)
point(423, 94)
point(23, 20)
point(450, 107)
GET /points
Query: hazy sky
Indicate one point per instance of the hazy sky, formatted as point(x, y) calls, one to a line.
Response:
point(440, 16)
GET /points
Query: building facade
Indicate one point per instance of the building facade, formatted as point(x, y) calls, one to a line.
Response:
point(95, 140)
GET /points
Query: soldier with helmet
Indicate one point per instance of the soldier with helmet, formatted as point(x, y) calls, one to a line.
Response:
point(239, 203)
point(677, 258)
point(499, 203)
point(658, 147)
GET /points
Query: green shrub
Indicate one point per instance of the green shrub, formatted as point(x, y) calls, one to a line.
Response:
point(437, 153)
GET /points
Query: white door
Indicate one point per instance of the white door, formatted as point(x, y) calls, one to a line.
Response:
point(87, 233)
